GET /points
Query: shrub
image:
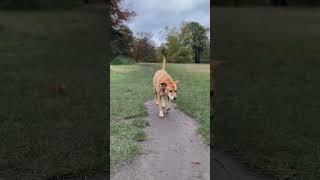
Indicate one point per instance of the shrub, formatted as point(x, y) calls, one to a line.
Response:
point(122, 60)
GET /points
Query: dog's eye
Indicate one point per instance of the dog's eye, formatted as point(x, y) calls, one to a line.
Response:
point(170, 90)
point(175, 91)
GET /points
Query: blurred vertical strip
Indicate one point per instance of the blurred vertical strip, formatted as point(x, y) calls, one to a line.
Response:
point(213, 72)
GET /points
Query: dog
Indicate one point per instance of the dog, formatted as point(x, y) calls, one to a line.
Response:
point(165, 89)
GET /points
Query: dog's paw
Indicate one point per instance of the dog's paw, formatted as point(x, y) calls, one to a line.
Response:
point(161, 114)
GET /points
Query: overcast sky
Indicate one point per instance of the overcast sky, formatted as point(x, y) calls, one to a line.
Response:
point(154, 15)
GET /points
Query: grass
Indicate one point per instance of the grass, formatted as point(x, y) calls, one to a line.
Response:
point(194, 93)
point(267, 107)
point(43, 133)
point(127, 103)
point(128, 92)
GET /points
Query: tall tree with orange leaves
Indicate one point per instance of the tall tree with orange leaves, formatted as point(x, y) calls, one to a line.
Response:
point(143, 49)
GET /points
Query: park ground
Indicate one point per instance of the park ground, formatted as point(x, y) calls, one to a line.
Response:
point(131, 86)
point(44, 133)
point(267, 100)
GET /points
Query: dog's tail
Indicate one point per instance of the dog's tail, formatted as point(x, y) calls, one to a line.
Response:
point(164, 63)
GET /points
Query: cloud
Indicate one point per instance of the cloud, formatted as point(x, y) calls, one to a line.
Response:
point(154, 15)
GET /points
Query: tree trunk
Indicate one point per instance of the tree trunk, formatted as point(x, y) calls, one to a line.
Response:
point(197, 56)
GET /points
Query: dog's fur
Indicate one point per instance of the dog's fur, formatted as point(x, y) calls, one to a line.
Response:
point(164, 88)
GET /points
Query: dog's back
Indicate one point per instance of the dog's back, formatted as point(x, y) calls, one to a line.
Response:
point(161, 75)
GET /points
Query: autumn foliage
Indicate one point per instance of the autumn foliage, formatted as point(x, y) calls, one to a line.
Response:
point(122, 36)
point(118, 14)
point(143, 49)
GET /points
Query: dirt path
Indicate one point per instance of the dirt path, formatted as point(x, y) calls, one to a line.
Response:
point(174, 151)
point(171, 151)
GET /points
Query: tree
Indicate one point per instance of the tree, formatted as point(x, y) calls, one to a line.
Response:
point(122, 37)
point(160, 52)
point(144, 48)
point(122, 41)
point(176, 51)
point(205, 55)
point(179, 44)
point(195, 36)
point(182, 55)
point(118, 14)
point(173, 44)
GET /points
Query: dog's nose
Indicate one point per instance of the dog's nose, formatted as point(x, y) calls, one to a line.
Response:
point(175, 98)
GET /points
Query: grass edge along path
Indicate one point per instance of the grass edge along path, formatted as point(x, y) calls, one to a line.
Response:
point(128, 92)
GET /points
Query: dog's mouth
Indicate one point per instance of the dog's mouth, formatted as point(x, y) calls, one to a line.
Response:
point(174, 100)
point(171, 98)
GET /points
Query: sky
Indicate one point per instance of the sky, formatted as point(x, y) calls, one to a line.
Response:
point(154, 15)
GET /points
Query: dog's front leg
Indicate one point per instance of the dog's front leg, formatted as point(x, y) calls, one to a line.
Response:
point(156, 94)
point(163, 101)
point(169, 105)
point(160, 106)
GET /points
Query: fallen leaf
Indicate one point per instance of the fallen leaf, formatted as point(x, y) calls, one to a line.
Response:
point(195, 162)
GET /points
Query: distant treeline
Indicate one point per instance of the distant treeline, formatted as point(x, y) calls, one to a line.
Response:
point(265, 2)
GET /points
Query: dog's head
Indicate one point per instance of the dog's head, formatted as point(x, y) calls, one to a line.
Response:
point(170, 88)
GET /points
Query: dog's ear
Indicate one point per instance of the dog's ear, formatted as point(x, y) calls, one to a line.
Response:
point(163, 85)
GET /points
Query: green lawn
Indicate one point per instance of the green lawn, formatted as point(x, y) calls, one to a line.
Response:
point(43, 133)
point(129, 89)
point(267, 100)
point(194, 93)
point(131, 86)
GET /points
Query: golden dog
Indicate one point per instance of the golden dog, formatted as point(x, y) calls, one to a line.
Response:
point(164, 88)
